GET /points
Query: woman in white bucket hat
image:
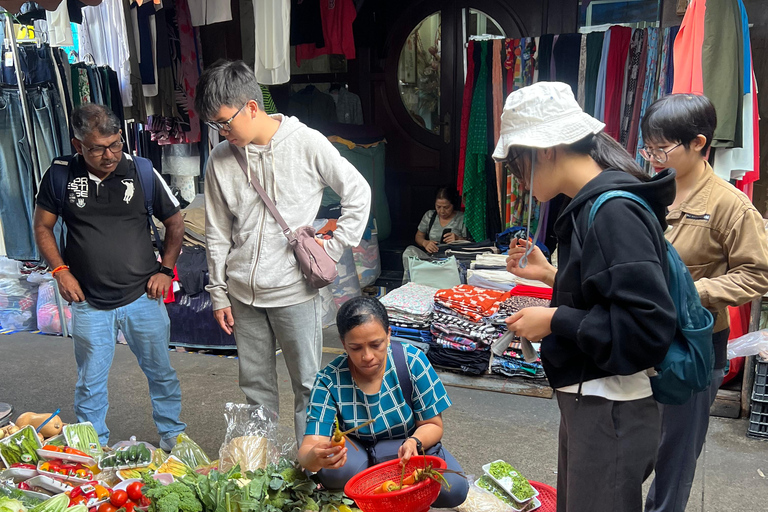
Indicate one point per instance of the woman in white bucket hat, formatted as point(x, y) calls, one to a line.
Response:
point(611, 316)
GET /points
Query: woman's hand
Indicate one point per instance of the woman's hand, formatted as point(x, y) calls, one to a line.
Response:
point(322, 455)
point(430, 247)
point(449, 238)
point(407, 450)
point(532, 324)
point(538, 268)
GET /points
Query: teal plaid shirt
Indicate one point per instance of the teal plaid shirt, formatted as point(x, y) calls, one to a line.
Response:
point(335, 392)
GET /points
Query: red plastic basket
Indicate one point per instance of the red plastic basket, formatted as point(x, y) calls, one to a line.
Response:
point(417, 498)
point(547, 496)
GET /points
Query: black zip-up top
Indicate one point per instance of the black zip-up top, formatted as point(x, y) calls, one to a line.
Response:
point(614, 312)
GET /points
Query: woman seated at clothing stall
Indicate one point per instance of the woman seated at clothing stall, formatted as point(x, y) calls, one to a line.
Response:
point(443, 225)
point(392, 384)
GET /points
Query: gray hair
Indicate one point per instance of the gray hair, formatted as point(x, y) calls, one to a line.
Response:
point(226, 84)
point(91, 118)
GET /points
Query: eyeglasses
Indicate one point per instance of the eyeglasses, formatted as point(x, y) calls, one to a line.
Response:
point(98, 151)
point(658, 155)
point(225, 126)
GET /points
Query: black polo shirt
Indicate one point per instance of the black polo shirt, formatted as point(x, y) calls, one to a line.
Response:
point(109, 249)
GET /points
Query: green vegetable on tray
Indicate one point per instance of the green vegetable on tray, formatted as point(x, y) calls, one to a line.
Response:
point(58, 503)
point(485, 482)
point(83, 437)
point(518, 485)
point(21, 447)
point(130, 456)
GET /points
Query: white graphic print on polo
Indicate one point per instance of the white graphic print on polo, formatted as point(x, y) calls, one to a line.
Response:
point(78, 191)
point(129, 189)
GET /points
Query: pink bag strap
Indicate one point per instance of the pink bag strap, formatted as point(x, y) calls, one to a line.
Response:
point(262, 193)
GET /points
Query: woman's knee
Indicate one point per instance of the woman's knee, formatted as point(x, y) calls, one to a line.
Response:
point(455, 496)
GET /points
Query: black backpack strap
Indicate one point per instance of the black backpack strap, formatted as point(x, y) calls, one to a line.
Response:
point(431, 223)
point(146, 173)
point(59, 172)
point(403, 372)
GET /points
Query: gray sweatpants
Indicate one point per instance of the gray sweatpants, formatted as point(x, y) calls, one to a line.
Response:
point(299, 330)
point(607, 450)
point(683, 432)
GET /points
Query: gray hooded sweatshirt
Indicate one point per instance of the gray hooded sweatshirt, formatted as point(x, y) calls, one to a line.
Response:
point(248, 255)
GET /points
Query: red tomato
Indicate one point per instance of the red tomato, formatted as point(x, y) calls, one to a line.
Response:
point(134, 491)
point(145, 502)
point(107, 507)
point(129, 506)
point(118, 498)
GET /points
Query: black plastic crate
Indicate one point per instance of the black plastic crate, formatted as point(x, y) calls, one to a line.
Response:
point(760, 388)
point(758, 420)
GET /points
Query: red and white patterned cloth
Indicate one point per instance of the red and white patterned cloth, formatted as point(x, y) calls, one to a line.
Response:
point(470, 301)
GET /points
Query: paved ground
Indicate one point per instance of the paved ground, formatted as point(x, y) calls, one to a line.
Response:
point(38, 374)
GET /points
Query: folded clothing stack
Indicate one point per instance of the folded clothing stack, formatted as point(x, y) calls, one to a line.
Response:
point(471, 302)
point(450, 329)
point(410, 306)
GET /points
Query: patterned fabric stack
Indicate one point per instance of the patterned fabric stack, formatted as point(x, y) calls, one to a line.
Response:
point(410, 313)
point(462, 328)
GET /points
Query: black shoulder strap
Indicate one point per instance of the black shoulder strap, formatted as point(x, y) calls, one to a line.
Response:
point(403, 373)
point(59, 177)
point(146, 174)
point(431, 223)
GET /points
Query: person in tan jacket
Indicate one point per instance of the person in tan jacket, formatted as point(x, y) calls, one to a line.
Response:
point(721, 237)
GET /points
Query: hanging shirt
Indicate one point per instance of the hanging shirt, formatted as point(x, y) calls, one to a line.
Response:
point(337, 17)
point(208, 12)
point(272, 21)
point(59, 31)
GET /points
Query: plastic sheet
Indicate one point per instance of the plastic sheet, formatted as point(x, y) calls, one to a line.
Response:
point(252, 438)
point(367, 261)
point(750, 344)
point(480, 500)
point(18, 298)
point(50, 305)
point(189, 452)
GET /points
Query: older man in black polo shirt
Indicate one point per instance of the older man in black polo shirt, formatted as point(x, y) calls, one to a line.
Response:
point(109, 271)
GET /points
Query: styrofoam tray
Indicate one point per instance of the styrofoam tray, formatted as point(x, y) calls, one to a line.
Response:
point(49, 484)
point(7, 440)
point(63, 478)
point(506, 488)
point(70, 457)
point(17, 474)
point(536, 502)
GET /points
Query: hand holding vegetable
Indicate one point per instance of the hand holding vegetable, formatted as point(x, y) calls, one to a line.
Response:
point(407, 450)
point(326, 456)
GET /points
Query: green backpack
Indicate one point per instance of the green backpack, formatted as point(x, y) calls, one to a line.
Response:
point(687, 367)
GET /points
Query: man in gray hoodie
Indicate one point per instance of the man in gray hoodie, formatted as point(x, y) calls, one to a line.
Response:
point(257, 288)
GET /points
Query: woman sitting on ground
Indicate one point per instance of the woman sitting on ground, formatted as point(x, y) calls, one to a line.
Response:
point(443, 225)
point(366, 383)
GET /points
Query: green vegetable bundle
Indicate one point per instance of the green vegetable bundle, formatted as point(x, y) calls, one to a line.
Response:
point(485, 482)
point(11, 505)
point(521, 489)
point(12, 493)
point(130, 456)
point(20, 447)
point(83, 437)
point(58, 503)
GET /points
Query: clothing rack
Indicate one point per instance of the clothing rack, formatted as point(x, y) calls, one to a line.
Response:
point(9, 31)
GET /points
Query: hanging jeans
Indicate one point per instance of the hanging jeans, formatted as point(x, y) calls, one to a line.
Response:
point(16, 194)
point(49, 124)
point(36, 65)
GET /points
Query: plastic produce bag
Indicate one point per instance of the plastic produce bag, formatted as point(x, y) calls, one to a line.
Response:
point(367, 260)
point(480, 500)
point(750, 344)
point(189, 452)
point(347, 284)
point(252, 438)
point(50, 305)
point(18, 298)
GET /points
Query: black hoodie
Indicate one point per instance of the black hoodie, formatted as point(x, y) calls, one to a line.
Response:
point(614, 315)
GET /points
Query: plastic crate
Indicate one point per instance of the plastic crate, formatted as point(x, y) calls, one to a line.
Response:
point(758, 420)
point(760, 388)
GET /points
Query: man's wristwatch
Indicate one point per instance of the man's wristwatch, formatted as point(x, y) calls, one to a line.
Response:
point(166, 271)
point(419, 447)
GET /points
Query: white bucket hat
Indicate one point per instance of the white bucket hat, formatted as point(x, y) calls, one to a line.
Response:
point(543, 115)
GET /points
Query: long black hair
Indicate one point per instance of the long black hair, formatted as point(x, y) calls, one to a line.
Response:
point(603, 149)
point(359, 311)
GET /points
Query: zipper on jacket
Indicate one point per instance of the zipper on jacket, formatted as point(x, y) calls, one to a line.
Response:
point(252, 281)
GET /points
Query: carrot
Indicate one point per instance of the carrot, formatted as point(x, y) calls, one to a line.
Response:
point(388, 486)
point(339, 438)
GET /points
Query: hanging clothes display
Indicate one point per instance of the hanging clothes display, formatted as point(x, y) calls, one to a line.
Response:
point(337, 17)
point(272, 22)
point(208, 12)
point(614, 78)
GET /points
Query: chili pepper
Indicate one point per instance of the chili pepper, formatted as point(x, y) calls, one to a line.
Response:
point(52, 448)
point(24, 486)
point(72, 451)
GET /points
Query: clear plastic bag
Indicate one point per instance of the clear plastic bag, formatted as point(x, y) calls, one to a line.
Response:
point(18, 298)
point(189, 452)
point(252, 438)
point(480, 500)
point(50, 305)
point(750, 344)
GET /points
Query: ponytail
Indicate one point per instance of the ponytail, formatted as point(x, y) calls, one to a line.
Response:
point(608, 154)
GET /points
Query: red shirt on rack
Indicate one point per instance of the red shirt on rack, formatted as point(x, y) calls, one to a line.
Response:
point(337, 17)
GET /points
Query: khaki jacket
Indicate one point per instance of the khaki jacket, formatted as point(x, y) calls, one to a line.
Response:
point(721, 237)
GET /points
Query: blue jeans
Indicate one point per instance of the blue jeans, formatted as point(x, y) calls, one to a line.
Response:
point(16, 195)
point(146, 327)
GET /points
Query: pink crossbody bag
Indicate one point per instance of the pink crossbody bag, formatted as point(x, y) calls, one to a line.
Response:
point(318, 268)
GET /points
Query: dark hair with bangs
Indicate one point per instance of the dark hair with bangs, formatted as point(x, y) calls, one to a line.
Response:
point(226, 84)
point(680, 118)
point(358, 311)
point(449, 194)
point(601, 147)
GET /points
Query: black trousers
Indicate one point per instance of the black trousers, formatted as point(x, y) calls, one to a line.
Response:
point(607, 450)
